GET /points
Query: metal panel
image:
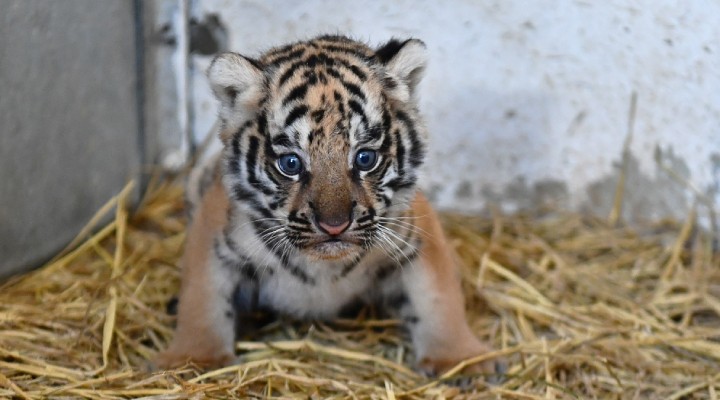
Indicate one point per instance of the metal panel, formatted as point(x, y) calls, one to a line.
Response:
point(69, 137)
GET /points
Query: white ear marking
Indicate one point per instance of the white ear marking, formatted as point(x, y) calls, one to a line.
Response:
point(405, 62)
point(231, 75)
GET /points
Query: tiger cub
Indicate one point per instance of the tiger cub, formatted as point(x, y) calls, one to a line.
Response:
point(313, 206)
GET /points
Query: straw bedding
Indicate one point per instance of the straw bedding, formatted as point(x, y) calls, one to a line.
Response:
point(577, 307)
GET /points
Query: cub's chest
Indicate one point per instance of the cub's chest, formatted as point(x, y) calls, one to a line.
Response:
point(323, 292)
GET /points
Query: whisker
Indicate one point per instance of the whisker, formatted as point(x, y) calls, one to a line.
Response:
point(406, 225)
point(397, 237)
point(381, 240)
point(387, 233)
point(257, 220)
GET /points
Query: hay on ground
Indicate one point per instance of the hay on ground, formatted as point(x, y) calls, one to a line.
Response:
point(579, 308)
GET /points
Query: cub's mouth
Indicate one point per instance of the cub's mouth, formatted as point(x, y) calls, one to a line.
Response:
point(332, 248)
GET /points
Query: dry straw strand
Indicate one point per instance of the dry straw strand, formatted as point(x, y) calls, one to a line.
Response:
point(577, 306)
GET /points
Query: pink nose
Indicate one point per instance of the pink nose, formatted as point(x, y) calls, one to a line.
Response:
point(334, 229)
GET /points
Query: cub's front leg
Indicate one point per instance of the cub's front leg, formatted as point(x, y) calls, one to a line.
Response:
point(435, 306)
point(205, 331)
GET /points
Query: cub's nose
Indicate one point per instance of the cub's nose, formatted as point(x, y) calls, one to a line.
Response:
point(333, 227)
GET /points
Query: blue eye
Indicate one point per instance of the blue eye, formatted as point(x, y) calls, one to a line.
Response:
point(289, 164)
point(365, 159)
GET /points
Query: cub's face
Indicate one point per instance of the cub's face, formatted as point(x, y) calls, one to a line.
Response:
point(322, 142)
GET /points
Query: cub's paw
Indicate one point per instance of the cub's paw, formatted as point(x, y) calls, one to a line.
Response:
point(172, 359)
point(491, 371)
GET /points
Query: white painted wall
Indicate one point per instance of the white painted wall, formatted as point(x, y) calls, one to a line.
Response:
point(530, 99)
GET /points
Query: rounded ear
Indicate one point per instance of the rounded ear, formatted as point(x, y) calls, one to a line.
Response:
point(233, 76)
point(404, 62)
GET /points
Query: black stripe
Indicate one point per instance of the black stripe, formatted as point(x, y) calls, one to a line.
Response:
point(416, 149)
point(299, 274)
point(311, 77)
point(237, 137)
point(279, 59)
point(289, 72)
point(296, 113)
point(358, 72)
point(310, 62)
point(295, 94)
point(400, 183)
point(270, 157)
point(353, 69)
point(345, 50)
point(389, 50)
point(313, 133)
point(282, 140)
point(236, 145)
point(293, 217)
point(255, 63)
point(354, 89)
point(386, 142)
point(399, 152)
point(317, 115)
point(340, 102)
point(324, 59)
point(242, 194)
point(389, 83)
point(382, 170)
point(370, 215)
point(262, 123)
point(385, 271)
point(357, 109)
point(251, 161)
point(273, 175)
point(374, 133)
point(386, 119)
point(276, 203)
point(246, 196)
point(334, 73)
point(350, 267)
point(417, 152)
point(397, 300)
point(233, 162)
point(300, 229)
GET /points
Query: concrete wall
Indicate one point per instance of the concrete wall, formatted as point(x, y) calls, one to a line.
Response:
point(69, 137)
point(528, 102)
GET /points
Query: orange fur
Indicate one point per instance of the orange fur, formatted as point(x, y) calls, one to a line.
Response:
point(196, 338)
point(449, 339)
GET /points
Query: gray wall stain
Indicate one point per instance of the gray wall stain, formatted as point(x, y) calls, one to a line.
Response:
point(208, 36)
point(464, 190)
point(714, 187)
point(645, 197)
point(519, 195)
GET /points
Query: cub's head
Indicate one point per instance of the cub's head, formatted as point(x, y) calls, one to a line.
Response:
point(322, 141)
